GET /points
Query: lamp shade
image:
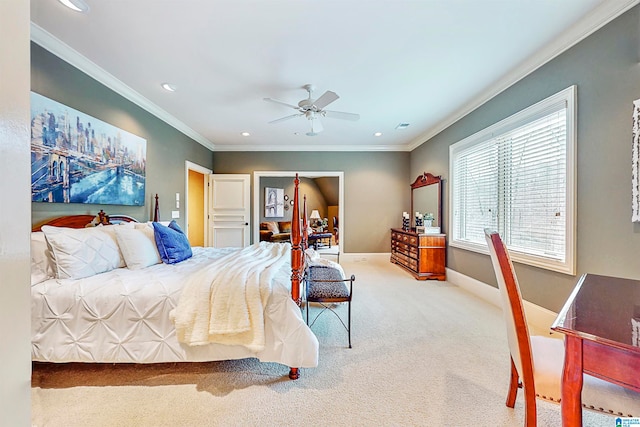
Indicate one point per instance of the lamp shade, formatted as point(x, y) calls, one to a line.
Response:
point(315, 214)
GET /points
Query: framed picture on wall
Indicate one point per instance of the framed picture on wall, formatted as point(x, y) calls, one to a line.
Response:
point(76, 158)
point(273, 202)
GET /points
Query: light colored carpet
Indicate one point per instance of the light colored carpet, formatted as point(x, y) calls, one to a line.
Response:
point(424, 354)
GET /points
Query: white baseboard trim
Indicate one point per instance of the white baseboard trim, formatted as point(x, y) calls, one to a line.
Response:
point(538, 317)
point(365, 257)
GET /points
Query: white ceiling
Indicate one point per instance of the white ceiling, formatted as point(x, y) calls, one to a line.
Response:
point(426, 63)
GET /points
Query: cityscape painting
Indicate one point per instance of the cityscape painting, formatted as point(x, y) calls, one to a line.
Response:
point(76, 158)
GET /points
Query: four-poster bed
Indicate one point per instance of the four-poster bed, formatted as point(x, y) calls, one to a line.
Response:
point(125, 315)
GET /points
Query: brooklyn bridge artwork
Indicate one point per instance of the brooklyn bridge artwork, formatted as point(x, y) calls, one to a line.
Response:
point(76, 158)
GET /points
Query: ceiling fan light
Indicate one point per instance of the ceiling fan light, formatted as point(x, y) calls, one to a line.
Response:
point(77, 5)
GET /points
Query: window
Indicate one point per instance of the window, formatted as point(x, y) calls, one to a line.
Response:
point(518, 177)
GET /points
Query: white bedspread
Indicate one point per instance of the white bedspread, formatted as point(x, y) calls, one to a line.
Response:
point(224, 302)
point(123, 316)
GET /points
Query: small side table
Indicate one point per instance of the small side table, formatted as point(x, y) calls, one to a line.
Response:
point(315, 239)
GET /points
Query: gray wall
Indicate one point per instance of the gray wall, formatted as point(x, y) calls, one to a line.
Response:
point(167, 148)
point(376, 187)
point(605, 67)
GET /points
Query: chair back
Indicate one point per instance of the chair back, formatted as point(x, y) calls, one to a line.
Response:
point(512, 309)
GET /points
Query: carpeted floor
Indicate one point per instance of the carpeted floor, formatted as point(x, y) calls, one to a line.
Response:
point(424, 354)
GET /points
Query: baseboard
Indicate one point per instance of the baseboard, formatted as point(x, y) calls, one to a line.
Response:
point(538, 317)
point(365, 257)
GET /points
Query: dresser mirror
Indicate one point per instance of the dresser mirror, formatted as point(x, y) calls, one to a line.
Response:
point(426, 197)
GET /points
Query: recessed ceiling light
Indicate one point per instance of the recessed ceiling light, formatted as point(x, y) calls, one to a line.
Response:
point(77, 5)
point(169, 87)
point(402, 126)
point(377, 134)
point(245, 134)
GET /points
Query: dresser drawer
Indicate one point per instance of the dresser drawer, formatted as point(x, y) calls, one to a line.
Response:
point(409, 239)
point(424, 255)
point(407, 262)
point(405, 249)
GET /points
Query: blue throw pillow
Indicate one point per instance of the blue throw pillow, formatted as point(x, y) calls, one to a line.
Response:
point(172, 243)
point(174, 226)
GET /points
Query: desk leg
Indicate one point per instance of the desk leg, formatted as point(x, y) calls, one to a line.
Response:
point(572, 378)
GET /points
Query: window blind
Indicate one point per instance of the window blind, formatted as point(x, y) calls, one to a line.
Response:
point(514, 180)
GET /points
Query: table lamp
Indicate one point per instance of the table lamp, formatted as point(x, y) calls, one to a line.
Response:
point(315, 217)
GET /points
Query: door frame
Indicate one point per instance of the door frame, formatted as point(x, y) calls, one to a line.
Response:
point(206, 172)
point(302, 174)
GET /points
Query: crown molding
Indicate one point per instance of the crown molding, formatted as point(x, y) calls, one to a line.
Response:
point(325, 147)
point(54, 45)
point(591, 23)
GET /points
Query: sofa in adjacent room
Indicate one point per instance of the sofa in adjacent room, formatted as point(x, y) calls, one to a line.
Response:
point(275, 231)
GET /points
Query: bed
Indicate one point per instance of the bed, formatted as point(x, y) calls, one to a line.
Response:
point(99, 295)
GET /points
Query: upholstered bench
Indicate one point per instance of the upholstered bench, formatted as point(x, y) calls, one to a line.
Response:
point(326, 286)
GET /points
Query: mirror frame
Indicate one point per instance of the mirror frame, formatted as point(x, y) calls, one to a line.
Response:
point(422, 181)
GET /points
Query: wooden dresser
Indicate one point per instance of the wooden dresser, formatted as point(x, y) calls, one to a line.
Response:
point(423, 255)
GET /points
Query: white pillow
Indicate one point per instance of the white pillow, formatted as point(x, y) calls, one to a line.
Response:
point(138, 246)
point(42, 263)
point(81, 252)
point(110, 229)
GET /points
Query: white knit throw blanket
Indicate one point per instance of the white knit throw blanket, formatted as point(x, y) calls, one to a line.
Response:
point(224, 303)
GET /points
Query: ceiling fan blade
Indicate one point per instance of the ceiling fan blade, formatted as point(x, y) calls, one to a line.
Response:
point(281, 103)
point(285, 118)
point(341, 115)
point(327, 98)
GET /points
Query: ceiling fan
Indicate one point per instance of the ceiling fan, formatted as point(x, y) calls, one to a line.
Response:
point(313, 109)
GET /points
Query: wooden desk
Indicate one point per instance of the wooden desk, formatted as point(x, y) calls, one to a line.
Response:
point(598, 321)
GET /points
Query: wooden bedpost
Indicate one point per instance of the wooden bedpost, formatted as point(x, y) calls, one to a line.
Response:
point(296, 249)
point(296, 259)
point(305, 225)
point(156, 211)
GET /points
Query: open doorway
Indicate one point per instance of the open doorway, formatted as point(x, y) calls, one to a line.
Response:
point(195, 203)
point(331, 210)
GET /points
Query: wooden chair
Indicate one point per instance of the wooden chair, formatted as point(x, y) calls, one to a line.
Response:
point(326, 286)
point(537, 361)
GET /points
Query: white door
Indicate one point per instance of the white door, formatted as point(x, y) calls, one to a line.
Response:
point(229, 210)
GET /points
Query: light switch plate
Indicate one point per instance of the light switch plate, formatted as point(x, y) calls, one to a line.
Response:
point(175, 214)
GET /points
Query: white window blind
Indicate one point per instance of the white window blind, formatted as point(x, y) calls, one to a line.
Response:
point(516, 177)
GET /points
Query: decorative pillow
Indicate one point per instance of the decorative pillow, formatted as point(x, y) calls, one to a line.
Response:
point(138, 246)
point(270, 226)
point(172, 243)
point(42, 263)
point(81, 252)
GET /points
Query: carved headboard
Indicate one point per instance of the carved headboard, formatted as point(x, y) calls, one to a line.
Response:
point(82, 221)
